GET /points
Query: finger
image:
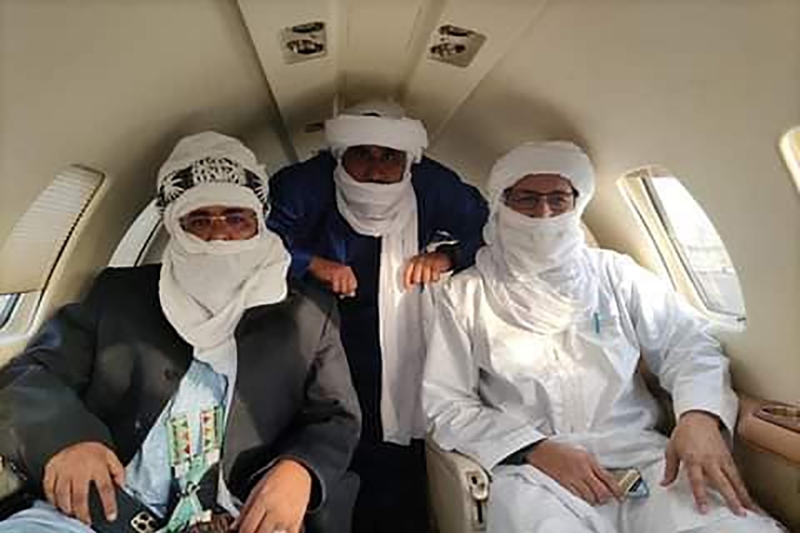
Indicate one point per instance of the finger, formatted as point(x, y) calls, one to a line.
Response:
point(720, 482)
point(243, 511)
point(419, 269)
point(255, 515)
point(116, 469)
point(599, 488)
point(427, 275)
point(352, 284)
point(63, 495)
point(673, 463)
point(698, 483)
point(108, 496)
point(608, 481)
point(336, 284)
point(80, 500)
point(732, 473)
point(407, 275)
point(582, 491)
point(600, 495)
point(49, 485)
point(435, 274)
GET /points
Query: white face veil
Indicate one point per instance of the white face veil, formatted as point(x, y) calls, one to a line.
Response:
point(205, 287)
point(388, 211)
point(533, 267)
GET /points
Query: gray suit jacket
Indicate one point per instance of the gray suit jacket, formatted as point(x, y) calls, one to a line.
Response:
point(104, 369)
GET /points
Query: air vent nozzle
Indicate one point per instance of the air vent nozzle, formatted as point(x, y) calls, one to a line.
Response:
point(455, 45)
point(304, 42)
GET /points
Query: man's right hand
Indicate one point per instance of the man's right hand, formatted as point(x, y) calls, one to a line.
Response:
point(338, 277)
point(68, 474)
point(576, 470)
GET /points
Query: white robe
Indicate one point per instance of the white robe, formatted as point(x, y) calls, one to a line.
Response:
point(491, 388)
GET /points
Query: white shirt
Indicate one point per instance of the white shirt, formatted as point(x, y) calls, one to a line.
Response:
point(491, 388)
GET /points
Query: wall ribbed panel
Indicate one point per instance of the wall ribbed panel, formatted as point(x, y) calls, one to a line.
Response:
point(32, 248)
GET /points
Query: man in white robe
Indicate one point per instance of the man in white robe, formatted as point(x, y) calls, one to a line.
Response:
point(532, 371)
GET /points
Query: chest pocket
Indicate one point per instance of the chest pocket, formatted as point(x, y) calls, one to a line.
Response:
point(603, 332)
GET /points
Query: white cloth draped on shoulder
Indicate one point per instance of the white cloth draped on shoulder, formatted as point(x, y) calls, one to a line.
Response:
point(389, 211)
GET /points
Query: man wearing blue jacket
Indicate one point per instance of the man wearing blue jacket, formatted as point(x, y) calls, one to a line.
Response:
point(377, 223)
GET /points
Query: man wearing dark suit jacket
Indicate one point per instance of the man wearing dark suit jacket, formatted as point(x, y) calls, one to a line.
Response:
point(206, 388)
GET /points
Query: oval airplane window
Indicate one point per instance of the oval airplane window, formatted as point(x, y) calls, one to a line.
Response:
point(790, 147)
point(690, 246)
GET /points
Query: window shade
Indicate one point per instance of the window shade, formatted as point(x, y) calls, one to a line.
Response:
point(32, 248)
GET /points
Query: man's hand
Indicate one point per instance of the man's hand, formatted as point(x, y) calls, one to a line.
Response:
point(697, 442)
point(576, 470)
point(338, 277)
point(426, 268)
point(279, 501)
point(68, 473)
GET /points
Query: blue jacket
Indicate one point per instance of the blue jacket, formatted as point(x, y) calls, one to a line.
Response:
point(304, 212)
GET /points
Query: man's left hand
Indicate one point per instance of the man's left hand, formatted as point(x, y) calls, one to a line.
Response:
point(426, 268)
point(698, 444)
point(279, 502)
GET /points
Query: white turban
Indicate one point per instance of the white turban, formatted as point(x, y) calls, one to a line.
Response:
point(205, 286)
point(534, 268)
point(209, 157)
point(377, 123)
point(562, 158)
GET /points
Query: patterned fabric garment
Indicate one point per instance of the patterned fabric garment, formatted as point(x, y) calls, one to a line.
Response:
point(149, 477)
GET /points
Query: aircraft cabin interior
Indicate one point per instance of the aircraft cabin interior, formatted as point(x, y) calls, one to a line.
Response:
point(689, 111)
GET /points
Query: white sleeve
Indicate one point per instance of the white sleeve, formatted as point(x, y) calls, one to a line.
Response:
point(457, 417)
point(677, 345)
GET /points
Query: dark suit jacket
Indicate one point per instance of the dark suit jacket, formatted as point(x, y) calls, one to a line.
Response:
point(104, 369)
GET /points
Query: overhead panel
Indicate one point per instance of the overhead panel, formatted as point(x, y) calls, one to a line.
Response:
point(436, 88)
point(298, 44)
point(379, 44)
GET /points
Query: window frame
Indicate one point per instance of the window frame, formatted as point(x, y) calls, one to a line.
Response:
point(636, 186)
point(30, 308)
point(790, 150)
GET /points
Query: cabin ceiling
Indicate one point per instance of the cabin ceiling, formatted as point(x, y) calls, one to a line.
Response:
point(378, 48)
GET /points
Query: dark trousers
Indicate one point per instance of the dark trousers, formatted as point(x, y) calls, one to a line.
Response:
point(393, 493)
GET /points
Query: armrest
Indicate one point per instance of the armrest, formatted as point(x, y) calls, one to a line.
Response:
point(459, 488)
point(766, 436)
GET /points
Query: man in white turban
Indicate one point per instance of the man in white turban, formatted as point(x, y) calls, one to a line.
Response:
point(193, 394)
point(375, 222)
point(532, 371)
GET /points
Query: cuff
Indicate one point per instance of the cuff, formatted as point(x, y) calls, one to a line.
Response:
point(725, 408)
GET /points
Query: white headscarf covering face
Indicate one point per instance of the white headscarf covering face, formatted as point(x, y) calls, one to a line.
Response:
point(389, 211)
point(534, 267)
point(205, 287)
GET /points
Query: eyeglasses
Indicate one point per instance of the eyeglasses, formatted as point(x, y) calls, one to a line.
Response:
point(235, 221)
point(558, 201)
